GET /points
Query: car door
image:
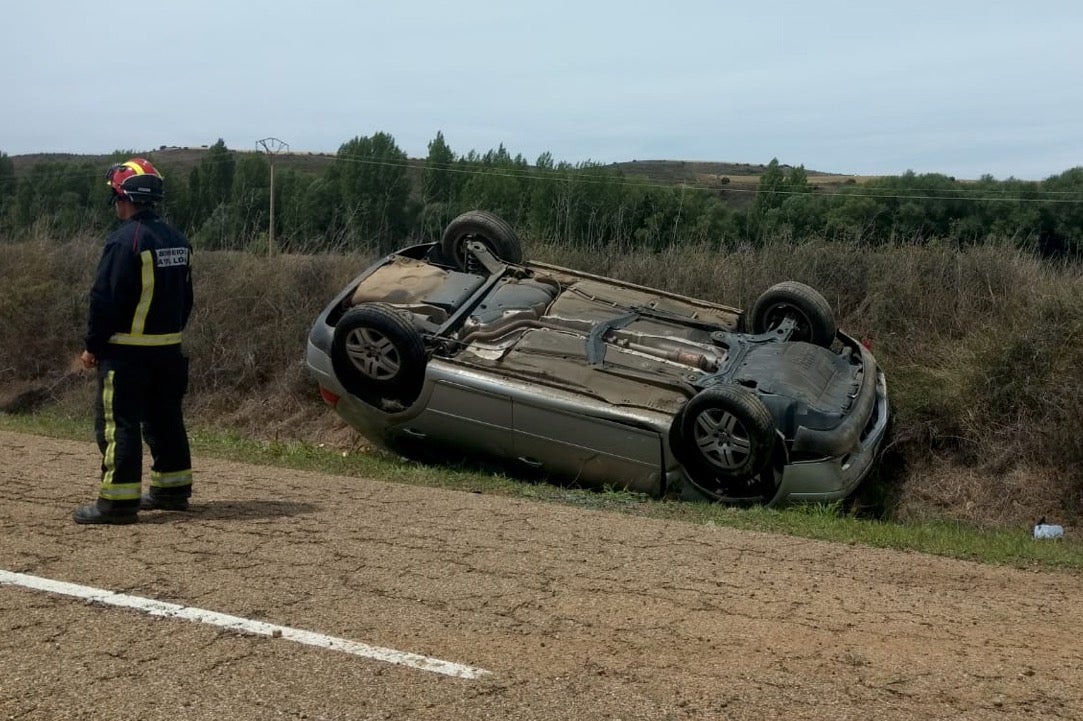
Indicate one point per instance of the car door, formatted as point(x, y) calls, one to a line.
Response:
point(466, 417)
point(592, 450)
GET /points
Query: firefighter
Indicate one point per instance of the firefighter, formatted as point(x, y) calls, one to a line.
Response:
point(139, 305)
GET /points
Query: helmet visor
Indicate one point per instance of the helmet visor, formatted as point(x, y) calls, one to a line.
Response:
point(113, 194)
point(112, 171)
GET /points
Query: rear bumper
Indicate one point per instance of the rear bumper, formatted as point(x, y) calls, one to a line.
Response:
point(836, 477)
point(846, 435)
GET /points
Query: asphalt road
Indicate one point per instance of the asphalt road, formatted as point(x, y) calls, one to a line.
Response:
point(564, 613)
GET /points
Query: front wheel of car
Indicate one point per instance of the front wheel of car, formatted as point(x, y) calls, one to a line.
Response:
point(814, 320)
point(726, 437)
point(494, 232)
point(378, 354)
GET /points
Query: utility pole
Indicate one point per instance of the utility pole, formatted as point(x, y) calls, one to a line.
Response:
point(272, 146)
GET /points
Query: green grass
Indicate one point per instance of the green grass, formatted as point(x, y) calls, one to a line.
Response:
point(997, 546)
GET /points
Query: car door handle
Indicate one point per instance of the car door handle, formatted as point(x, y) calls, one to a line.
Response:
point(532, 462)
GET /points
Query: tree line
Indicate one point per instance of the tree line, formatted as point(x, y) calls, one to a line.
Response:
point(371, 196)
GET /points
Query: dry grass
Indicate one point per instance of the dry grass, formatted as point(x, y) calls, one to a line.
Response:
point(983, 348)
point(940, 488)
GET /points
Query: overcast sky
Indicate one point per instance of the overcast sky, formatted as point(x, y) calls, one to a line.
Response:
point(964, 88)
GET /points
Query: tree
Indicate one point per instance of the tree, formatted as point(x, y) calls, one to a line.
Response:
point(7, 183)
point(290, 188)
point(496, 183)
point(176, 207)
point(249, 195)
point(854, 217)
point(1062, 214)
point(440, 185)
point(769, 191)
point(61, 197)
point(321, 212)
point(801, 215)
point(437, 177)
point(780, 198)
point(210, 183)
point(371, 176)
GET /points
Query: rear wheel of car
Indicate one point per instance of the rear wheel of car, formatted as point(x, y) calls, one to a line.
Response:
point(378, 354)
point(810, 310)
point(725, 438)
point(497, 235)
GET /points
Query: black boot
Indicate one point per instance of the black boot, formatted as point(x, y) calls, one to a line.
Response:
point(160, 502)
point(93, 513)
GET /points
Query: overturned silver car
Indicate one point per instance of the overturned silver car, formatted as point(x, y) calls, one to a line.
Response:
point(462, 344)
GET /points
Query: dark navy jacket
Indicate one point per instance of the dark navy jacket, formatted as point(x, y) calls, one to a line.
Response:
point(142, 295)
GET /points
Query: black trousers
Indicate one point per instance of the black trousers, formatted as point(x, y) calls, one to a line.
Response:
point(139, 397)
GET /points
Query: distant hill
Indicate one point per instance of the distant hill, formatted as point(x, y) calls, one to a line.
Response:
point(740, 179)
point(179, 160)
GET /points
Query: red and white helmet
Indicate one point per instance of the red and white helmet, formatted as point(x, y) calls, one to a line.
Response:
point(135, 180)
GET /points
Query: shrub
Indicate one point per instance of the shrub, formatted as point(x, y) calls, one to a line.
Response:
point(982, 346)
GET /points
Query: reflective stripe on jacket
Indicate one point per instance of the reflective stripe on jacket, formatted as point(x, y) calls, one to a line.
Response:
point(142, 294)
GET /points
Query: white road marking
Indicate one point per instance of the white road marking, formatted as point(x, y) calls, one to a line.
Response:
point(237, 623)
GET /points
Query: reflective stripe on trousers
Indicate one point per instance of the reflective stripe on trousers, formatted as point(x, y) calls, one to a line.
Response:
point(140, 399)
point(111, 489)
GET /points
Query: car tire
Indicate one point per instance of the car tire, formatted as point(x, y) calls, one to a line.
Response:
point(815, 319)
point(486, 227)
point(726, 437)
point(378, 354)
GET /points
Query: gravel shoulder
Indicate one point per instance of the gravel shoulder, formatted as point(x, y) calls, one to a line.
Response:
point(577, 614)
